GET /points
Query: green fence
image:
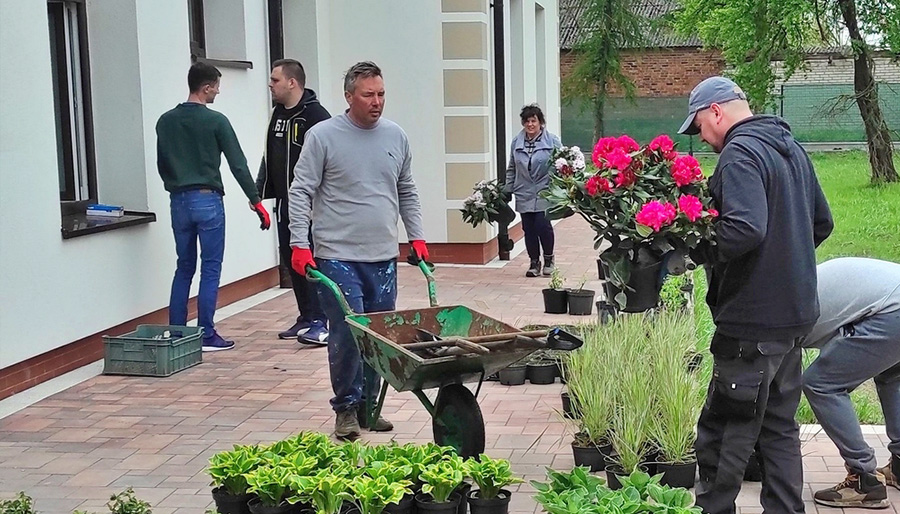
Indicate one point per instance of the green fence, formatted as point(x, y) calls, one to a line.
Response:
point(807, 108)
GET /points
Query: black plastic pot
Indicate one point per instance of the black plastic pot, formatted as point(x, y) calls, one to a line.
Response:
point(349, 508)
point(406, 506)
point(505, 215)
point(591, 456)
point(646, 284)
point(424, 503)
point(541, 373)
point(606, 311)
point(463, 492)
point(650, 461)
point(498, 505)
point(601, 269)
point(513, 375)
point(555, 301)
point(567, 409)
point(678, 475)
point(227, 503)
point(256, 507)
point(581, 302)
point(613, 472)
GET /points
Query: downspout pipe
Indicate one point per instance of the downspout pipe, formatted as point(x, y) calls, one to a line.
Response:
point(504, 243)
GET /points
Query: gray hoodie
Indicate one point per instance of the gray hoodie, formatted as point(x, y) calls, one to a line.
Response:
point(355, 182)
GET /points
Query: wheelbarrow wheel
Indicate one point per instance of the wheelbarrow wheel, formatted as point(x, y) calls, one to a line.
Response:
point(457, 420)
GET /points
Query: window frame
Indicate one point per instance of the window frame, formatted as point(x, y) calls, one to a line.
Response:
point(197, 29)
point(74, 119)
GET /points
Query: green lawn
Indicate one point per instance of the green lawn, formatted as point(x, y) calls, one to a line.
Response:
point(866, 223)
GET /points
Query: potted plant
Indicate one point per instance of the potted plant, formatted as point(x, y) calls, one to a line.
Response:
point(487, 203)
point(373, 494)
point(127, 503)
point(440, 480)
point(514, 374)
point(555, 295)
point(395, 471)
point(491, 476)
point(580, 300)
point(325, 491)
point(269, 483)
point(541, 368)
point(644, 202)
point(228, 471)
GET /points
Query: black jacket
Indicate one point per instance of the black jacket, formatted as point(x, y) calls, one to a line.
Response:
point(284, 140)
point(772, 216)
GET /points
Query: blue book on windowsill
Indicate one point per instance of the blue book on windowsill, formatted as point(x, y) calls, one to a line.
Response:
point(99, 209)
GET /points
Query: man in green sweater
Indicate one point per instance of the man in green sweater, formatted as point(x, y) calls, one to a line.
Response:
point(190, 142)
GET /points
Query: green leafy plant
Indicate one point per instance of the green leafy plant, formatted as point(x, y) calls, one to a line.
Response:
point(351, 452)
point(21, 504)
point(490, 475)
point(557, 280)
point(675, 291)
point(668, 500)
point(590, 379)
point(373, 494)
point(325, 491)
point(486, 200)
point(579, 478)
point(127, 503)
point(269, 484)
point(393, 471)
point(442, 478)
point(228, 468)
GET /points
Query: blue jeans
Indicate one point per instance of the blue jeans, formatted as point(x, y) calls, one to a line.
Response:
point(197, 214)
point(538, 234)
point(368, 287)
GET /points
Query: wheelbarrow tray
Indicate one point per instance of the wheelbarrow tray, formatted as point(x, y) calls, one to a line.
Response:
point(381, 337)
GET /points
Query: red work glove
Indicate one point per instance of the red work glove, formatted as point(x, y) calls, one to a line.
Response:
point(421, 250)
point(264, 221)
point(300, 258)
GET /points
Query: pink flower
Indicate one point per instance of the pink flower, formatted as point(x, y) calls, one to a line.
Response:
point(686, 170)
point(618, 159)
point(691, 207)
point(595, 184)
point(604, 146)
point(714, 213)
point(665, 146)
point(627, 144)
point(625, 178)
point(656, 214)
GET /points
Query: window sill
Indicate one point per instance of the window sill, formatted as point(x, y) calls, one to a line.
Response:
point(80, 224)
point(227, 63)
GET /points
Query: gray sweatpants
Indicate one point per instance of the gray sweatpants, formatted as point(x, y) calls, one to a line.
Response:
point(867, 349)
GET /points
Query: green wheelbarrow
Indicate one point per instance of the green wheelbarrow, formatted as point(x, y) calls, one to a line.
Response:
point(443, 348)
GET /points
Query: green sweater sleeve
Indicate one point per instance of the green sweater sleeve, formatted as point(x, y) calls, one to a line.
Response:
point(230, 146)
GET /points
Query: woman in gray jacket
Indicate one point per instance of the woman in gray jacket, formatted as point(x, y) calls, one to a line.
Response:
point(527, 175)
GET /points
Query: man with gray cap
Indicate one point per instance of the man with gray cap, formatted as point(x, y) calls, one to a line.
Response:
point(762, 295)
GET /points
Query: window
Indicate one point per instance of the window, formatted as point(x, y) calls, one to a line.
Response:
point(197, 29)
point(72, 99)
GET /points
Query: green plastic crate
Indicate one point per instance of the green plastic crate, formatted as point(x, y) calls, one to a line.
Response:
point(145, 352)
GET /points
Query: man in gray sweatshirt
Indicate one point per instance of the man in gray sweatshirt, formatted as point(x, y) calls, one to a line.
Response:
point(353, 176)
point(858, 333)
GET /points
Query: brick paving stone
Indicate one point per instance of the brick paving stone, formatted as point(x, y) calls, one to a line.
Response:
point(74, 449)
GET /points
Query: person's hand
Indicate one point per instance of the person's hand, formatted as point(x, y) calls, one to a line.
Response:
point(300, 259)
point(419, 247)
point(264, 221)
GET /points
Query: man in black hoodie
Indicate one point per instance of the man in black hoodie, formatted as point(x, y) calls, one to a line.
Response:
point(296, 110)
point(762, 295)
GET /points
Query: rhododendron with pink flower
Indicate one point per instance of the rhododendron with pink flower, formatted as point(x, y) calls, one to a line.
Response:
point(646, 205)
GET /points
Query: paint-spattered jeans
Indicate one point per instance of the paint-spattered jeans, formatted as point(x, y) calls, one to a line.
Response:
point(368, 287)
point(869, 348)
point(197, 214)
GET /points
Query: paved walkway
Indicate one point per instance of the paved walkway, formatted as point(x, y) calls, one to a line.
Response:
point(74, 449)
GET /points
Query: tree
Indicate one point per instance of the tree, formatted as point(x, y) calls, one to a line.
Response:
point(751, 34)
point(606, 27)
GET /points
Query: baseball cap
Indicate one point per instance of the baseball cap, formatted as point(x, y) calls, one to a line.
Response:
point(712, 90)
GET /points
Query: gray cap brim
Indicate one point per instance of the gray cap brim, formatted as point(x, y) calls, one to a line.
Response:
point(688, 127)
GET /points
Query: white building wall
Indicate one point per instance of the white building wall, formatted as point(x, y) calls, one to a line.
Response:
point(56, 291)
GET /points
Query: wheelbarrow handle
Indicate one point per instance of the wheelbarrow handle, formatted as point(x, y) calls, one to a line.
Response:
point(314, 275)
point(427, 269)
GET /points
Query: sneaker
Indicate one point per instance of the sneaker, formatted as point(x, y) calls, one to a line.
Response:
point(890, 477)
point(866, 490)
point(346, 426)
point(535, 269)
point(381, 424)
point(548, 266)
point(216, 343)
point(317, 334)
point(299, 327)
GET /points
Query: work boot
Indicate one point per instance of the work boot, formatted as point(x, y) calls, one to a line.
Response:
point(381, 424)
point(548, 265)
point(346, 426)
point(866, 490)
point(891, 472)
point(535, 269)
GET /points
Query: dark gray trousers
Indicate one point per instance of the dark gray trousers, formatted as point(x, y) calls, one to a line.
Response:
point(753, 396)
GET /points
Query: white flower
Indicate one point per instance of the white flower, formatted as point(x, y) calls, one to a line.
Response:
point(560, 163)
point(478, 197)
point(576, 150)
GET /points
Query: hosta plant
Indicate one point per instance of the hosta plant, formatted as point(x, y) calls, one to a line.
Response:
point(325, 491)
point(490, 475)
point(228, 469)
point(269, 484)
point(442, 478)
point(373, 494)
